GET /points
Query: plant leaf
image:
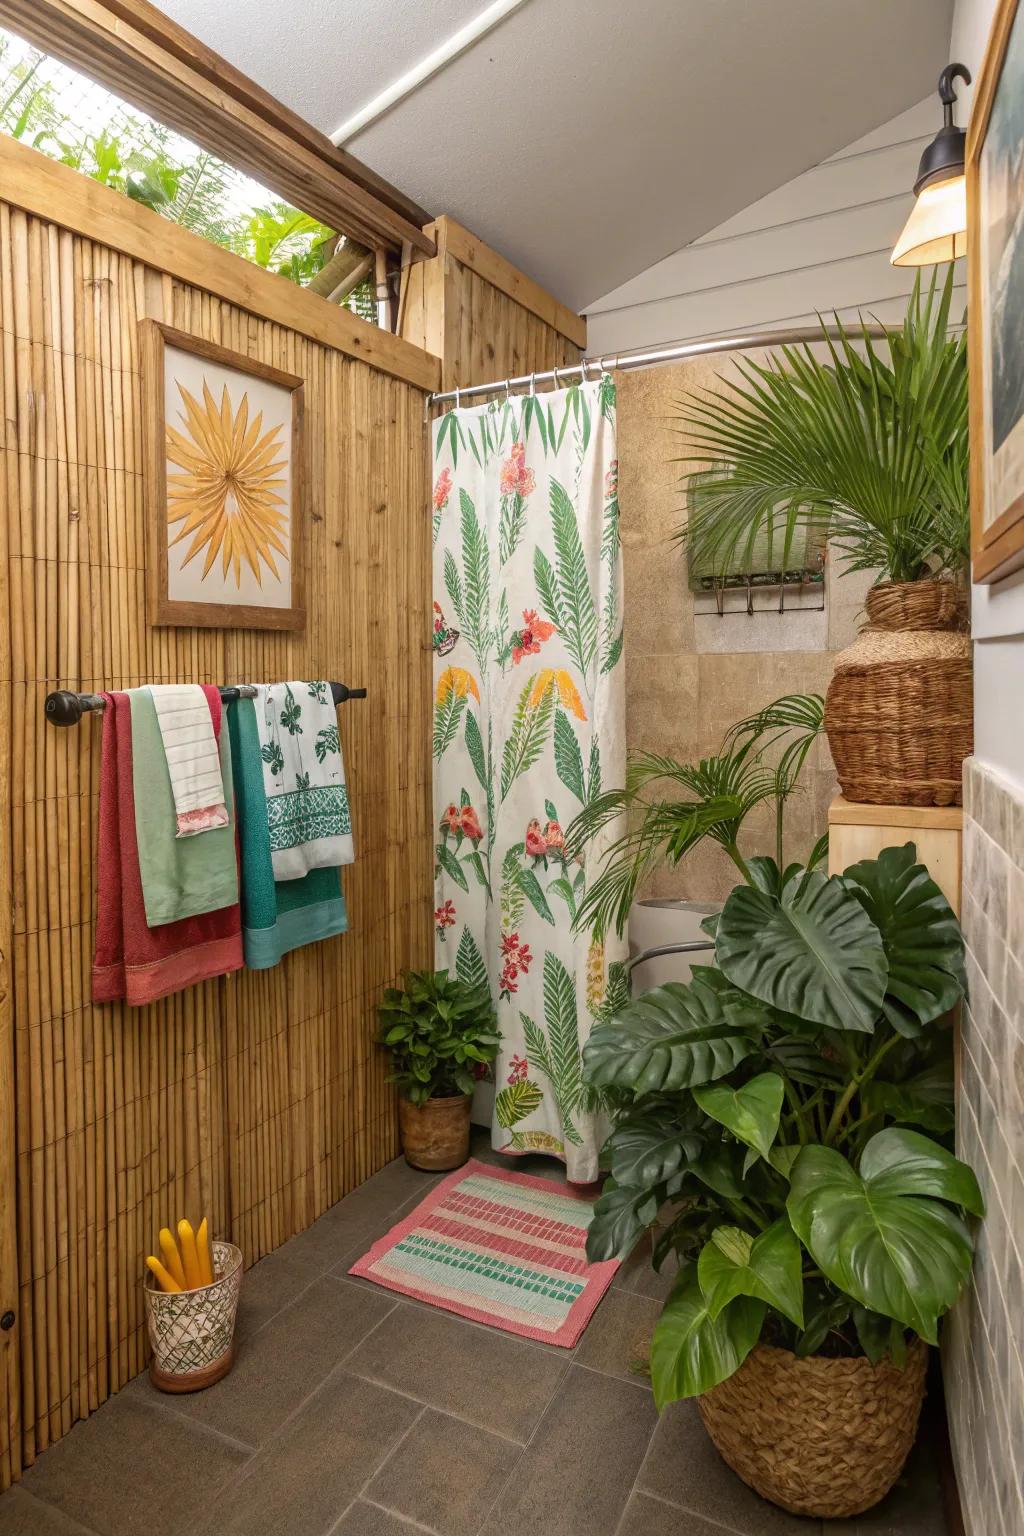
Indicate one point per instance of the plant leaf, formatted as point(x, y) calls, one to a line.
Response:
point(515, 1102)
point(767, 1267)
point(620, 1219)
point(691, 1352)
point(469, 962)
point(923, 944)
point(534, 893)
point(812, 951)
point(673, 1037)
point(568, 757)
point(451, 866)
point(647, 1148)
point(879, 1235)
point(751, 1111)
point(575, 600)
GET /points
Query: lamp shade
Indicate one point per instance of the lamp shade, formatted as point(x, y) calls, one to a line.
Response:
point(936, 229)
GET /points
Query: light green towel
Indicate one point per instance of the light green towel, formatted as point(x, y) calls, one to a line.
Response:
point(277, 915)
point(181, 876)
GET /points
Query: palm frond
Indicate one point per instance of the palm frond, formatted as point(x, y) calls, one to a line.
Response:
point(869, 444)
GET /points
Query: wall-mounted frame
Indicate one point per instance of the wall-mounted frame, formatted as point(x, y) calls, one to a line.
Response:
point(995, 279)
point(223, 450)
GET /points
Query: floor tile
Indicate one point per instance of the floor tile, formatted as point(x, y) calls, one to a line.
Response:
point(637, 1273)
point(23, 1515)
point(367, 1520)
point(445, 1474)
point(280, 1366)
point(302, 1482)
point(683, 1467)
point(479, 1374)
point(133, 1467)
point(617, 1340)
point(275, 1282)
point(651, 1517)
point(576, 1476)
point(360, 1218)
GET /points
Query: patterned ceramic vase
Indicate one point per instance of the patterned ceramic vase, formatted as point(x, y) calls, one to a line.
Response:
point(192, 1332)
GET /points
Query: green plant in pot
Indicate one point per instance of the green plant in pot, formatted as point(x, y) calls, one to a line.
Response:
point(440, 1032)
point(865, 441)
point(781, 1122)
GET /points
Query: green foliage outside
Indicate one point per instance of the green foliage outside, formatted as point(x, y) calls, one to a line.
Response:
point(148, 163)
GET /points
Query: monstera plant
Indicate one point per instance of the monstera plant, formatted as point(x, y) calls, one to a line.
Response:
point(783, 1120)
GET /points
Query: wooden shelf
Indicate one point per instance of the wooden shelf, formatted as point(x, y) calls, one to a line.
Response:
point(862, 831)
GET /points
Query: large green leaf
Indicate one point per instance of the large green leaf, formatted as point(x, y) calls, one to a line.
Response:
point(882, 1235)
point(767, 1267)
point(811, 951)
point(649, 1146)
point(751, 1111)
point(515, 1102)
point(691, 1351)
point(673, 1037)
point(922, 939)
point(924, 1099)
point(621, 1217)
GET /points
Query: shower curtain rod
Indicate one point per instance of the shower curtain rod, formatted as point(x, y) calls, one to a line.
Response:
point(785, 337)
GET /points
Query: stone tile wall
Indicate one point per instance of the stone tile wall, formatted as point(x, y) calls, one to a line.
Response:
point(983, 1345)
point(685, 686)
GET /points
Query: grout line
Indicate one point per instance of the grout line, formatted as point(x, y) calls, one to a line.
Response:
point(630, 1381)
point(460, 1417)
point(79, 1525)
point(733, 1530)
point(414, 1525)
point(159, 1406)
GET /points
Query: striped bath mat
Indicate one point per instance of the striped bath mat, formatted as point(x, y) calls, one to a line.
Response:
point(500, 1248)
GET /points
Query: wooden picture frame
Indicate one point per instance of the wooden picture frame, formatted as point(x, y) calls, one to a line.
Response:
point(995, 343)
point(266, 551)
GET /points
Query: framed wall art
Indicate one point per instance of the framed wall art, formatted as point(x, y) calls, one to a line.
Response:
point(995, 278)
point(223, 479)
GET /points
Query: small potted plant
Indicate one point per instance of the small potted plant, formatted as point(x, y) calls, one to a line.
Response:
point(438, 1030)
point(784, 1120)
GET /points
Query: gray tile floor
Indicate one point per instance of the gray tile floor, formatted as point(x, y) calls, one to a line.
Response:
point(354, 1412)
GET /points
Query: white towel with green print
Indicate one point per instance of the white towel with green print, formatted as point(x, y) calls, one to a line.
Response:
point(307, 801)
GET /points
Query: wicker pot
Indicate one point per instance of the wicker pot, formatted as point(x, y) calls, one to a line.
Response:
point(193, 1332)
point(819, 1437)
point(435, 1135)
point(899, 709)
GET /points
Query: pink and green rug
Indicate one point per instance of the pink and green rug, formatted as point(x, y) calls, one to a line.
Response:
point(501, 1248)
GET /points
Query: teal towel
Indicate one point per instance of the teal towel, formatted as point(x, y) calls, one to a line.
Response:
point(181, 876)
point(276, 915)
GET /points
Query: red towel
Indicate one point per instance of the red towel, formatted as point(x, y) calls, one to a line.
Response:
point(132, 960)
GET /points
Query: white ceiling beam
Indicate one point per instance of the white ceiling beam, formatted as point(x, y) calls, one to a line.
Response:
point(420, 73)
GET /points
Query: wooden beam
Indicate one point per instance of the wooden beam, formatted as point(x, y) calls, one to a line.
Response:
point(32, 181)
point(160, 29)
point(89, 36)
point(467, 248)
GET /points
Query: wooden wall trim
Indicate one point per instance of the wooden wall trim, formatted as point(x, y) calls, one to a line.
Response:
point(215, 112)
point(455, 240)
point(41, 186)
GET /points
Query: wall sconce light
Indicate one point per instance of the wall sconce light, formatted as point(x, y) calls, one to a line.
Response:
point(937, 227)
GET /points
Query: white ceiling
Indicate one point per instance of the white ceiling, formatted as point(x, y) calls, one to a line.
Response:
point(587, 139)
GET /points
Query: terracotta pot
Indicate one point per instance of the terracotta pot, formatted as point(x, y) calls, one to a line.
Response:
point(818, 1437)
point(899, 710)
point(435, 1135)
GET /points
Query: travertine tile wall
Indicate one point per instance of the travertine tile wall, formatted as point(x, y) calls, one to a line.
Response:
point(983, 1346)
point(681, 695)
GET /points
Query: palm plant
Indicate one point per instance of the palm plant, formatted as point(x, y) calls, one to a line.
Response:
point(869, 446)
point(708, 800)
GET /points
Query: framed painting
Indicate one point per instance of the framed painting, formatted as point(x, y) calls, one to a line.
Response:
point(995, 301)
point(223, 480)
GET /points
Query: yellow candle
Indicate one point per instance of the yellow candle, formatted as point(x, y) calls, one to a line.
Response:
point(165, 1281)
point(203, 1253)
point(172, 1259)
point(189, 1257)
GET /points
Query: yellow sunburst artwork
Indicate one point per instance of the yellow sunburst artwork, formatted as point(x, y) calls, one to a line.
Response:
point(226, 497)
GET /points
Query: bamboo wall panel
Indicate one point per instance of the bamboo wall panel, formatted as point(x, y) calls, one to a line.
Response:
point(257, 1099)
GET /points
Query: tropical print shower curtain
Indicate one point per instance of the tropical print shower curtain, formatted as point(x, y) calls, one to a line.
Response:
point(528, 727)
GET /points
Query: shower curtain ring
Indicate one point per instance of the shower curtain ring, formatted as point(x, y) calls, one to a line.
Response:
point(458, 397)
point(558, 382)
point(584, 365)
point(508, 389)
point(533, 384)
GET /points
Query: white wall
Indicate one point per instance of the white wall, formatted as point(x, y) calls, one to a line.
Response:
point(819, 243)
point(997, 611)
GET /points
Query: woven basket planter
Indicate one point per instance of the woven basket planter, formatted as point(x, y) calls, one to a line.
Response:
point(193, 1332)
point(899, 709)
point(818, 1437)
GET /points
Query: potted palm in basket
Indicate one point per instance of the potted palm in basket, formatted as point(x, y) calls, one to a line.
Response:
point(439, 1030)
point(867, 444)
